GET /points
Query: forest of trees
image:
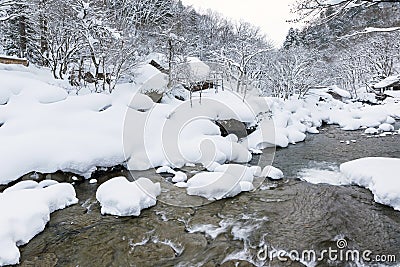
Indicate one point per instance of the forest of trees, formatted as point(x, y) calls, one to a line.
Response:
point(357, 41)
point(101, 41)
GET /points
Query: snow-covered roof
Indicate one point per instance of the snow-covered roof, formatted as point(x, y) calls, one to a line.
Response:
point(12, 57)
point(198, 68)
point(388, 81)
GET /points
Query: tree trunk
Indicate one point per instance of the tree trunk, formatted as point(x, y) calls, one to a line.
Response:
point(22, 36)
point(170, 58)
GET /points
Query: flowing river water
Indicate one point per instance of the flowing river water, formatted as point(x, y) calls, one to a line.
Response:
point(289, 214)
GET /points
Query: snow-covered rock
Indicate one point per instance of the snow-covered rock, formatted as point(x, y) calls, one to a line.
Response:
point(272, 172)
point(214, 185)
point(385, 127)
point(371, 131)
point(227, 180)
point(25, 210)
point(178, 175)
point(312, 130)
point(120, 197)
point(390, 120)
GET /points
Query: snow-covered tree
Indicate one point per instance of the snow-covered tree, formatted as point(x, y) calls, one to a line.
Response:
point(292, 71)
point(327, 9)
point(240, 54)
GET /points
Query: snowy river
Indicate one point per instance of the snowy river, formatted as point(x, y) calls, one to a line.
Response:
point(289, 214)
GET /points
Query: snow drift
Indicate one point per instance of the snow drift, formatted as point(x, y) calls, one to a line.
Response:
point(25, 210)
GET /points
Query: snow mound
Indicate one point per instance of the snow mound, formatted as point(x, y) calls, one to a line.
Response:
point(25, 210)
point(214, 185)
point(183, 132)
point(385, 127)
point(371, 131)
point(227, 180)
point(380, 175)
point(120, 197)
point(272, 172)
point(150, 79)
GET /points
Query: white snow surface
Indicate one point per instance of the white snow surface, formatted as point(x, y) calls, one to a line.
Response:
point(225, 181)
point(387, 81)
point(371, 130)
point(25, 210)
point(339, 91)
point(179, 176)
point(379, 175)
point(385, 127)
point(150, 79)
point(272, 172)
point(120, 197)
point(78, 134)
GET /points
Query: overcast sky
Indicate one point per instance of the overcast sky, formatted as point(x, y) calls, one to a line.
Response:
point(269, 15)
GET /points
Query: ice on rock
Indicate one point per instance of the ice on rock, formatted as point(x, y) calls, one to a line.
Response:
point(385, 127)
point(380, 175)
point(25, 210)
point(120, 197)
point(272, 172)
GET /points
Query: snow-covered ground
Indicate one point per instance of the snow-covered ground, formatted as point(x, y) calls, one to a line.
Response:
point(45, 129)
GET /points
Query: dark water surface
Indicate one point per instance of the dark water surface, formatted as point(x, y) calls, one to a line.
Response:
point(289, 214)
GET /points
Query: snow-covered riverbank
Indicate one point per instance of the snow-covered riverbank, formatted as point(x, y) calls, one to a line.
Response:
point(43, 129)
